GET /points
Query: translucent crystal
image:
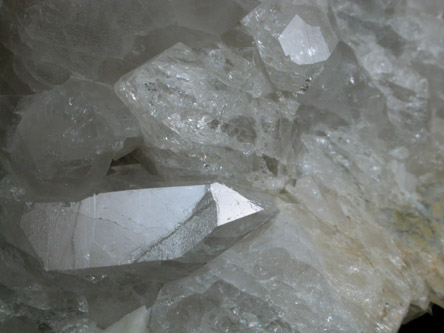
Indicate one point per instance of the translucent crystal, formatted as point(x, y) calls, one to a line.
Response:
point(96, 231)
point(270, 281)
point(332, 107)
point(99, 40)
point(67, 137)
point(139, 239)
point(206, 117)
point(135, 322)
point(293, 39)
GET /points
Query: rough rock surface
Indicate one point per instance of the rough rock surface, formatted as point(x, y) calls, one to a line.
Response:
point(334, 108)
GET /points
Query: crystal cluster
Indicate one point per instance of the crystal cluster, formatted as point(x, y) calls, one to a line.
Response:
point(220, 166)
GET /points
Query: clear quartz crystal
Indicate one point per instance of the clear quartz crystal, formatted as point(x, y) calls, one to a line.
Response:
point(137, 240)
point(104, 40)
point(51, 152)
point(126, 227)
point(293, 39)
point(334, 108)
point(200, 107)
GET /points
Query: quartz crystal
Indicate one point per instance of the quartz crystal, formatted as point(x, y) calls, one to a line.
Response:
point(134, 322)
point(190, 122)
point(145, 144)
point(135, 226)
point(293, 38)
point(102, 40)
point(145, 236)
point(51, 151)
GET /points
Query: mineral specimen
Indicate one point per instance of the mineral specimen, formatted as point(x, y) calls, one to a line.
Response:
point(153, 235)
point(187, 224)
point(293, 39)
point(134, 322)
point(51, 153)
point(102, 40)
point(334, 108)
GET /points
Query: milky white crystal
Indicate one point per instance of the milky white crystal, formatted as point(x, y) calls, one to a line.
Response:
point(303, 43)
point(347, 136)
point(231, 205)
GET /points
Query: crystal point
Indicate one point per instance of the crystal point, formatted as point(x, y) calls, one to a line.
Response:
point(121, 228)
point(303, 43)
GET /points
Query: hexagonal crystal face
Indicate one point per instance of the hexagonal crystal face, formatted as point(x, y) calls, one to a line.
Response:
point(125, 227)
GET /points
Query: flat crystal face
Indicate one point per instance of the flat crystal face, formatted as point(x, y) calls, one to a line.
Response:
point(293, 39)
point(120, 228)
point(311, 46)
point(102, 41)
point(226, 166)
point(231, 205)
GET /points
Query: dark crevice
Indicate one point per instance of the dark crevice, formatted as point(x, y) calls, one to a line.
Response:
point(432, 321)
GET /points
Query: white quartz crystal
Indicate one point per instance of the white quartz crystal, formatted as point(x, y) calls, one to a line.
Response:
point(331, 111)
point(51, 152)
point(134, 322)
point(310, 47)
point(231, 205)
point(102, 40)
point(293, 39)
point(121, 228)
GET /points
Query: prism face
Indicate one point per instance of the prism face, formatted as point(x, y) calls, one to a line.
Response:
point(121, 228)
point(133, 220)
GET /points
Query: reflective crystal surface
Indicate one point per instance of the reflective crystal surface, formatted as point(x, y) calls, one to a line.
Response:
point(103, 40)
point(293, 39)
point(135, 238)
point(135, 226)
